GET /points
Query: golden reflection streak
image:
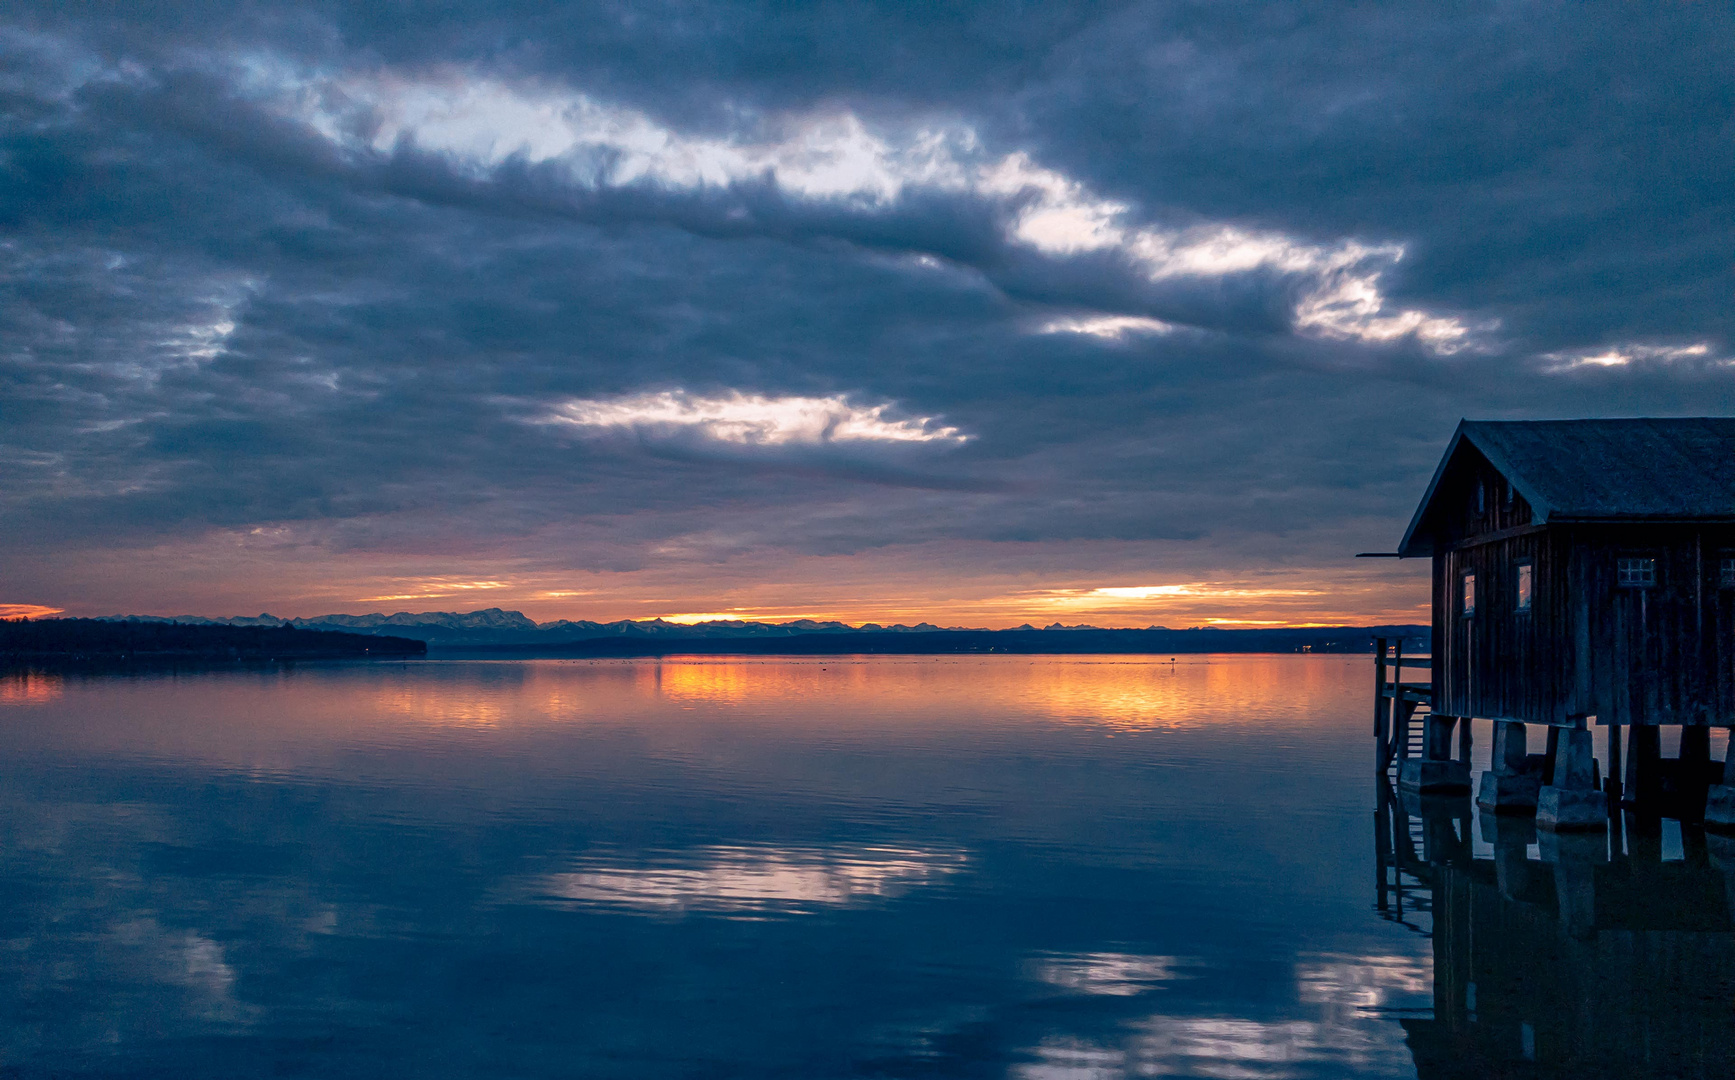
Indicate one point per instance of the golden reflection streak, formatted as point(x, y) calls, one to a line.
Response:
point(30, 687)
point(1128, 693)
point(720, 683)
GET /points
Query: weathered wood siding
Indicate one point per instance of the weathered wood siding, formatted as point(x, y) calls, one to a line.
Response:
point(1657, 654)
point(1587, 646)
point(1502, 662)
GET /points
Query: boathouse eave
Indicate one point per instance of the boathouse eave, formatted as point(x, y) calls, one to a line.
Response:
point(1641, 519)
point(1418, 542)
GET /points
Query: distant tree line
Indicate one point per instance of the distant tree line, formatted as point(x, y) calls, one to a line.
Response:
point(1031, 641)
point(92, 638)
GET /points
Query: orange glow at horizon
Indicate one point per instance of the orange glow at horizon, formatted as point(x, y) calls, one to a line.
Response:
point(983, 586)
point(1173, 606)
point(28, 611)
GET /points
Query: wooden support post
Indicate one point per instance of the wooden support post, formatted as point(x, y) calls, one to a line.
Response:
point(1382, 711)
point(1552, 752)
point(1397, 675)
point(1464, 741)
point(1613, 784)
point(1385, 856)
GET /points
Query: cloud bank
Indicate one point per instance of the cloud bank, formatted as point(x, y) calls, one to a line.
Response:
point(896, 313)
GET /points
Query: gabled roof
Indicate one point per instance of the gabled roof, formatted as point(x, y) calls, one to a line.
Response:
point(1600, 470)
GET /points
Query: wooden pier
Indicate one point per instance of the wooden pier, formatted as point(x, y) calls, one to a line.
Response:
point(1402, 708)
point(1413, 745)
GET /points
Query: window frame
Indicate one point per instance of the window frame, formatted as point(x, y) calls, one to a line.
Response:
point(1467, 594)
point(1524, 586)
point(1726, 570)
point(1626, 565)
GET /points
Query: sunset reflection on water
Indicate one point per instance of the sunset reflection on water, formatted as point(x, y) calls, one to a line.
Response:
point(1095, 866)
point(1109, 691)
point(24, 687)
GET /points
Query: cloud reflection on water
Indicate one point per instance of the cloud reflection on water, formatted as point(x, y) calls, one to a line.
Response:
point(1110, 973)
point(1233, 1047)
point(1363, 982)
point(753, 880)
point(182, 958)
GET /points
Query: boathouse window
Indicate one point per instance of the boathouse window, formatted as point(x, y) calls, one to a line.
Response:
point(1524, 586)
point(1469, 595)
point(1481, 497)
point(1635, 573)
point(1726, 572)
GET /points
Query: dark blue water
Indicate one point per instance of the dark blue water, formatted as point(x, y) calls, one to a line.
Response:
point(997, 866)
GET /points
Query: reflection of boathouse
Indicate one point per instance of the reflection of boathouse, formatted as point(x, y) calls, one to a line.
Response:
point(1568, 963)
point(1583, 577)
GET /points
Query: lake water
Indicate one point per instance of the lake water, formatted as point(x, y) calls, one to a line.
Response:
point(1031, 867)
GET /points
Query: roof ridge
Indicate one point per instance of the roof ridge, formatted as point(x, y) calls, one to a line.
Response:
point(1590, 469)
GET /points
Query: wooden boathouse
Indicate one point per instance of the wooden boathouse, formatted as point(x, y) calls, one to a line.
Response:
point(1583, 577)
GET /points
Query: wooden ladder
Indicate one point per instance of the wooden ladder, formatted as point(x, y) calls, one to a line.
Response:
point(1401, 709)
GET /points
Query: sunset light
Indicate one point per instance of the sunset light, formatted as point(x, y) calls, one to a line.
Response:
point(27, 611)
point(1071, 541)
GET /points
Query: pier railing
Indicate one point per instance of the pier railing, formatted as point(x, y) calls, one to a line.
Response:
point(1401, 707)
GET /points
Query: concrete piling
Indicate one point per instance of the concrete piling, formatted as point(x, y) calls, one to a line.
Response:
point(1509, 787)
point(1571, 800)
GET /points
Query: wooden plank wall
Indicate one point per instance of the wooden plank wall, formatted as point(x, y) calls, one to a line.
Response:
point(1502, 662)
point(1658, 655)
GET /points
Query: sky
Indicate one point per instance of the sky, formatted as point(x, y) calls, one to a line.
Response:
point(1121, 313)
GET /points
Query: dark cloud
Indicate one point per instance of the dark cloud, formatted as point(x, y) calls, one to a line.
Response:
point(316, 272)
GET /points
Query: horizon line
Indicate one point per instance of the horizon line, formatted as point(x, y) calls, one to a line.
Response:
point(10, 612)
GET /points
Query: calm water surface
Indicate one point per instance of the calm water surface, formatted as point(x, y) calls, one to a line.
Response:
point(996, 866)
